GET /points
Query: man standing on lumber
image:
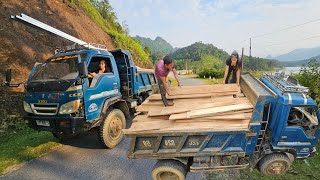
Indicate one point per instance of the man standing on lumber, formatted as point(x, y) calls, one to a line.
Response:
point(162, 69)
point(233, 66)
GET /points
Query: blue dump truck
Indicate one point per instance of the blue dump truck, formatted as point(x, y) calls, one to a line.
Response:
point(283, 127)
point(62, 99)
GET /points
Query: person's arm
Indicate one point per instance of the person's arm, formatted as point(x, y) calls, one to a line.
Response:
point(91, 75)
point(163, 80)
point(225, 74)
point(238, 76)
point(176, 76)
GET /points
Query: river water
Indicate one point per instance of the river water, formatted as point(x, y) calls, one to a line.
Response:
point(290, 70)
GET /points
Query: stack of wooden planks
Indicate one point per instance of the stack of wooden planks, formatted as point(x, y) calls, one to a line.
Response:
point(196, 108)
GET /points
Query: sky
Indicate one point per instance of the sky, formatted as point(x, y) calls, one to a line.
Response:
point(227, 24)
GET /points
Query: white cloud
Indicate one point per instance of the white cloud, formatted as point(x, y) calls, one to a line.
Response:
point(226, 24)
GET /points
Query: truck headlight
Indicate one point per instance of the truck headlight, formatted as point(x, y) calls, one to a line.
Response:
point(70, 107)
point(27, 107)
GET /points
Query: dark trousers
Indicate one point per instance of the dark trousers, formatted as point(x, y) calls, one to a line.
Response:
point(162, 92)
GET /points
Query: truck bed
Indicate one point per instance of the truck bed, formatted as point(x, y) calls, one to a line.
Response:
point(223, 109)
point(204, 121)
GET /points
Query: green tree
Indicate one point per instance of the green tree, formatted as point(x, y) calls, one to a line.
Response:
point(309, 76)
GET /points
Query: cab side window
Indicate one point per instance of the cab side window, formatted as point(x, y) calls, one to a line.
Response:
point(97, 68)
point(95, 62)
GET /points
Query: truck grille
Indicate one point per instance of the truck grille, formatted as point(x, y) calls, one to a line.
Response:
point(45, 109)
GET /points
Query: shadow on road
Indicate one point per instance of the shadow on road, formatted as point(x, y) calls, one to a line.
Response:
point(89, 139)
point(86, 140)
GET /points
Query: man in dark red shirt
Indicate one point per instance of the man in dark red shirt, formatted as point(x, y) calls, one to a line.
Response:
point(162, 69)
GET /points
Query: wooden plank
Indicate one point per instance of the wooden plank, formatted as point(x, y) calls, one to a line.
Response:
point(205, 89)
point(226, 118)
point(150, 125)
point(143, 118)
point(156, 97)
point(210, 111)
point(192, 106)
point(205, 125)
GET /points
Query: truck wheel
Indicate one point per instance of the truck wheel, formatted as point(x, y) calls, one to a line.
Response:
point(274, 164)
point(169, 169)
point(110, 130)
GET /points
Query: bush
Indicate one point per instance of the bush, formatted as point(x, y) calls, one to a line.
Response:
point(309, 76)
point(216, 73)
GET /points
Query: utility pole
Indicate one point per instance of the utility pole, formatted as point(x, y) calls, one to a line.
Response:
point(250, 51)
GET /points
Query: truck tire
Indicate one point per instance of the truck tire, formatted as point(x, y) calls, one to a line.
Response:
point(169, 169)
point(274, 164)
point(110, 131)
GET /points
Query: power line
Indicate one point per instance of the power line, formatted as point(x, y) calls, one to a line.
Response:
point(292, 41)
point(284, 29)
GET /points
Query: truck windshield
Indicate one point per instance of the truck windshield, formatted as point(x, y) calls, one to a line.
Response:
point(60, 68)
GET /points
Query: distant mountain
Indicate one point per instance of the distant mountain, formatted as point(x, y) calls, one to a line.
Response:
point(197, 50)
point(300, 62)
point(159, 45)
point(298, 54)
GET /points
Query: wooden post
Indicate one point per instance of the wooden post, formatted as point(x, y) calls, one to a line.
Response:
point(242, 59)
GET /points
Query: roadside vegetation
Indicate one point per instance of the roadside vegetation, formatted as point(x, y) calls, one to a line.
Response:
point(101, 12)
point(23, 144)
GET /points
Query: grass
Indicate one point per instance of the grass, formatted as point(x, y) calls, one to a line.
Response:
point(301, 169)
point(23, 145)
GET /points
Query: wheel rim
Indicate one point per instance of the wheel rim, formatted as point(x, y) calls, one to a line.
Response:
point(167, 176)
point(115, 128)
point(276, 168)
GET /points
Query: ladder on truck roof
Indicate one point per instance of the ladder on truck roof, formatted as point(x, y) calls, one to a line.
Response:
point(29, 21)
point(292, 87)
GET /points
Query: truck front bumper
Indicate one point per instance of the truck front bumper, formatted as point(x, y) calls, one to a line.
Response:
point(56, 124)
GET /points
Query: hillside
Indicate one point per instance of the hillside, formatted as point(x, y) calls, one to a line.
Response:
point(299, 54)
point(158, 45)
point(21, 46)
point(197, 50)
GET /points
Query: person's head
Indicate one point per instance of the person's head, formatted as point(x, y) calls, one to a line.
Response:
point(234, 58)
point(102, 64)
point(168, 63)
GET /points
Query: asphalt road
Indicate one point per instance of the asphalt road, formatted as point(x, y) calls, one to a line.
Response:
point(84, 158)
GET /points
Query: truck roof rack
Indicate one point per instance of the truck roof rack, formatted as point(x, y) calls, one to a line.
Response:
point(291, 86)
point(76, 47)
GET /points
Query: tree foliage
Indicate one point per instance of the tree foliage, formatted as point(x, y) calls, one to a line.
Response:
point(260, 64)
point(197, 50)
point(107, 12)
point(101, 12)
point(309, 76)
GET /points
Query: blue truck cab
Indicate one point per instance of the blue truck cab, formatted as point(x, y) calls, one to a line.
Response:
point(65, 102)
point(283, 127)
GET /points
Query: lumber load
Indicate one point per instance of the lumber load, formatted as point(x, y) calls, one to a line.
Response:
point(193, 106)
point(211, 111)
point(195, 109)
point(205, 89)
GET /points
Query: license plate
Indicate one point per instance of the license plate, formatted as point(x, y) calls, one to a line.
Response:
point(42, 123)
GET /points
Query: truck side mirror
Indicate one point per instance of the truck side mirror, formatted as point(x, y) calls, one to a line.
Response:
point(83, 70)
point(8, 76)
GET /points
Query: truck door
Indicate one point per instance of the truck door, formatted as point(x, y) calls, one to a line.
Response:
point(100, 87)
point(301, 132)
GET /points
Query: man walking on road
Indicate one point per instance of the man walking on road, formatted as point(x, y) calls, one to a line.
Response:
point(162, 69)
